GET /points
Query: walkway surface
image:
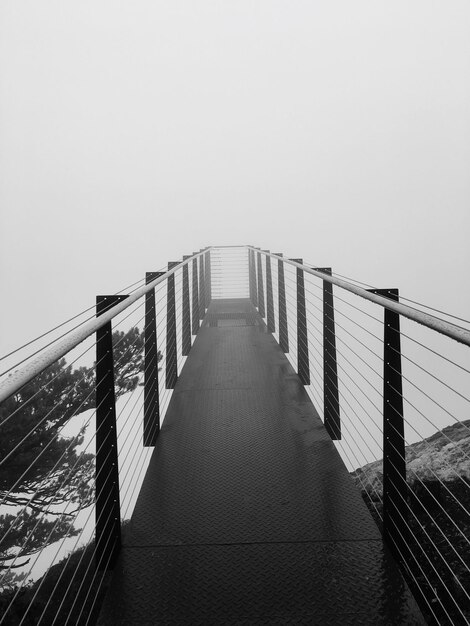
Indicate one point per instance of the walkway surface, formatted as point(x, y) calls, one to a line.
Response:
point(247, 514)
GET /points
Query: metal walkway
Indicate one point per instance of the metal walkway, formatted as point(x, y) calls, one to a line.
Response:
point(247, 514)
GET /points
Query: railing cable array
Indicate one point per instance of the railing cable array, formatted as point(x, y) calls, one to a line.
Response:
point(416, 529)
point(389, 385)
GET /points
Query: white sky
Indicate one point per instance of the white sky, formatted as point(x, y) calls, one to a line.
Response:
point(132, 133)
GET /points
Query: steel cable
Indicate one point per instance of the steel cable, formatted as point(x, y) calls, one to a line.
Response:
point(415, 341)
point(358, 340)
point(349, 319)
point(410, 530)
point(423, 369)
point(366, 285)
point(72, 443)
point(418, 478)
point(60, 326)
point(57, 375)
point(423, 573)
point(459, 477)
point(427, 419)
point(337, 297)
point(423, 528)
point(350, 406)
point(127, 316)
point(22, 582)
point(46, 511)
point(44, 419)
point(58, 462)
point(92, 559)
point(134, 437)
point(56, 338)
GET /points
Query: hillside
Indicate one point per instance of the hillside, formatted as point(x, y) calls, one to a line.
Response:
point(445, 455)
point(438, 562)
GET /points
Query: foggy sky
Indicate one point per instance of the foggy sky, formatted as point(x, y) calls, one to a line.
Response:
point(132, 133)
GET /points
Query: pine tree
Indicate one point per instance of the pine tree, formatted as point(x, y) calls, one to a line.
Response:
point(40, 470)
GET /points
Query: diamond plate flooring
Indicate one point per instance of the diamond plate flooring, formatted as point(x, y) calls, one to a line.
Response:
point(247, 514)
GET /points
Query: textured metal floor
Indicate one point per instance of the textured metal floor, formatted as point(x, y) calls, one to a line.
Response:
point(247, 514)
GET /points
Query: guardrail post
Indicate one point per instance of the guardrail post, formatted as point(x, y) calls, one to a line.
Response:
point(151, 390)
point(261, 309)
point(195, 319)
point(207, 278)
point(107, 508)
point(171, 352)
point(202, 288)
point(303, 365)
point(253, 288)
point(186, 313)
point(395, 488)
point(283, 332)
point(269, 297)
point(330, 367)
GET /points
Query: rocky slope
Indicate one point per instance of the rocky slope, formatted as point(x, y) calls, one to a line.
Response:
point(444, 455)
point(436, 551)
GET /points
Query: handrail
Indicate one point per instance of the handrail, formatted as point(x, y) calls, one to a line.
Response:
point(430, 321)
point(20, 377)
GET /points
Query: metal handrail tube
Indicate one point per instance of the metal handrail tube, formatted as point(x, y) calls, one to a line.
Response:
point(434, 323)
point(20, 377)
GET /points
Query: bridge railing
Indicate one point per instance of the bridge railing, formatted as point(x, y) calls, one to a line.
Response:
point(390, 378)
point(80, 415)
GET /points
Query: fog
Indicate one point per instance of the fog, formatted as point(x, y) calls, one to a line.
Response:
point(135, 132)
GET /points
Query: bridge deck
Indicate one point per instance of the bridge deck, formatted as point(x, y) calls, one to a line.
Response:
point(247, 514)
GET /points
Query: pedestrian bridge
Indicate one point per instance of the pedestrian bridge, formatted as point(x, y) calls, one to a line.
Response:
point(248, 513)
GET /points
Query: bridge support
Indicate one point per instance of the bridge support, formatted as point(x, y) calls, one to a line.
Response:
point(395, 488)
point(171, 352)
point(195, 298)
point(207, 278)
point(303, 365)
point(107, 508)
point(186, 313)
point(252, 278)
point(151, 390)
point(269, 297)
point(261, 309)
point(202, 288)
point(283, 332)
point(330, 368)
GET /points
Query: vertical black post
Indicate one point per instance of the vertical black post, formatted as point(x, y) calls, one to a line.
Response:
point(107, 509)
point(202, 289)
point(395, 489)
point(261, 309)
point(303, 366)
point(283, 332)
point(250, 276)
point(330, 366)
point(269, 297)
point(171, 352)
point(186, 313)
point(151, 391)
point(207, 278)
point(195, 320)
point(253, 287)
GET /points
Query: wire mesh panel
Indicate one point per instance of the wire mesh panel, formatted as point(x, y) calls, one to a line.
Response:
point(230, 272)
